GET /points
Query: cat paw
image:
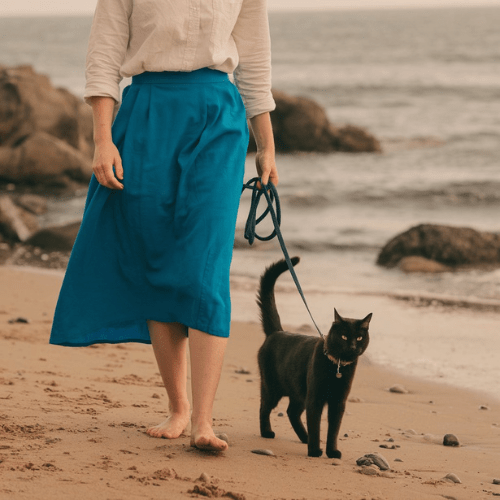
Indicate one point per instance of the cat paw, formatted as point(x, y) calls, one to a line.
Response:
point(333, 454)
point(268, 434)
point(315, 453)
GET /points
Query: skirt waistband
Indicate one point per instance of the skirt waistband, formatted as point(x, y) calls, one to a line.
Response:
point(203, 75)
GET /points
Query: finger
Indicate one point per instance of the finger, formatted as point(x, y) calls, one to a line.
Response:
point(110, 179)
point(119, 167)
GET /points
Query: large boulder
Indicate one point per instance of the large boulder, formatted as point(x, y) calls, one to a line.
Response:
point(43, 159)
point(300, 124)
point(56, 238)
point(29, 103)
point(451, 246)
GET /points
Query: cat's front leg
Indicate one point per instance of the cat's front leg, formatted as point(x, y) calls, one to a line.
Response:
point(335, 413)
point(314, 409)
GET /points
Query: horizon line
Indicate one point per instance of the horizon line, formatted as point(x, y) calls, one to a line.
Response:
point(416, 6)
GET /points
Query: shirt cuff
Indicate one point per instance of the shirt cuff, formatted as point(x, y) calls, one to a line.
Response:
point(104, 89)
point(256, 107)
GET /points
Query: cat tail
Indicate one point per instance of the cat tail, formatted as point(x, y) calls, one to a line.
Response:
point(269, 316)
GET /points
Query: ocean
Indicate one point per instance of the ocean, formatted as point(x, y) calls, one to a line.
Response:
point(425, 82)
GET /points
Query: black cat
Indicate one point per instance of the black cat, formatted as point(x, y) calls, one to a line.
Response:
point(310, 371)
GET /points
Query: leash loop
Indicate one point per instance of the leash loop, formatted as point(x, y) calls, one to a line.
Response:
point(271, 194)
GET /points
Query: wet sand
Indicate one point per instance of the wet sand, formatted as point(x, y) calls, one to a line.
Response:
point(73, 420)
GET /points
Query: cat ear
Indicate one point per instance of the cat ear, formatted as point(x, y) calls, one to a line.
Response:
point(366, 321)
point(338, 317)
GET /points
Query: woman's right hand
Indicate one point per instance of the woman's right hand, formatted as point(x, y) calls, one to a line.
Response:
point(106, 156)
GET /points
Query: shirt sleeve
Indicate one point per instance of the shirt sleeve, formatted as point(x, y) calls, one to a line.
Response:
point(252, 76)
point(108, 42)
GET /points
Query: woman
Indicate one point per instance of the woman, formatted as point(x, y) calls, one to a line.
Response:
point(151, 260)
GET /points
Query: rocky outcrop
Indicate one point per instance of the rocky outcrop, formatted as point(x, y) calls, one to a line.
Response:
point(300, 124)
point(451, 246)
point(57, 238)
point(16, 223)
point(45, 132)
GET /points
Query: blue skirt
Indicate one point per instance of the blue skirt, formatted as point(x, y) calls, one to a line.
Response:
point(161, 248)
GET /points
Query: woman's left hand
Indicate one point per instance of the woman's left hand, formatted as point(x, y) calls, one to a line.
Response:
point(266, 166)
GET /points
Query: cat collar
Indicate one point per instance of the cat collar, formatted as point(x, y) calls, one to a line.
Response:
point(337, 362)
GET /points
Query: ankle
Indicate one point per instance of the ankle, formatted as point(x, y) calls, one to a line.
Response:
point(180, 408)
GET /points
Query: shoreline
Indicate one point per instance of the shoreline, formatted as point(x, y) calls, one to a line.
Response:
point(73, 422)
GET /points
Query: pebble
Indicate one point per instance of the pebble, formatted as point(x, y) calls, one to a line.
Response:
point(224, 437)
point(355, 399)
point(453, 478)
point(155, 396)
point(450, 440)
point(204, 477)
point(19, 320)
point(484, 407)
point(398, 389)
point(390, 440)
point(264, 452)
point(242, 371)
point(280, 414)
point(389, 447)
point(369, 470)
point(375, 459)
point(398, 460)
point(496, 481)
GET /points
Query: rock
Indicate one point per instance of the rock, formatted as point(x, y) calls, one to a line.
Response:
point(31, 104)
point(484, 407)
point(450, 440)
point(398, 460)
point(496, 481)
point(375, 459)
point(389, 447)
point(19, 320)
point(452, 478)
point(416, 264)
point(35, 204)
point(57, 238)
point(42, 159)
point(448, 245)
point(281, 414)
point(16, 224)
point(355, 399)
point(264, 452)
point(155, 396)
point(398, 389)
point(300, 124)
point(204, 478)
point(369, 470)
point(224, 437)
point(242, 371)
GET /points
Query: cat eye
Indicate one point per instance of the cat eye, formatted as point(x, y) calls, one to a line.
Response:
point(359, 338)
point(344, 337)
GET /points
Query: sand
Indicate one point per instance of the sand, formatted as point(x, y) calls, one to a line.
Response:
point(73, 421)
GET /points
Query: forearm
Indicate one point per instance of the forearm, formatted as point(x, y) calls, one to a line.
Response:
point(263, 132)
point(102, 111)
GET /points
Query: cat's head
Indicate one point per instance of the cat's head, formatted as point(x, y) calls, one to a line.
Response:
point(348, 338)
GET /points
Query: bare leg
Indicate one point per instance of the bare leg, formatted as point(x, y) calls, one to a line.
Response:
point(207, 354)
point(170, 347)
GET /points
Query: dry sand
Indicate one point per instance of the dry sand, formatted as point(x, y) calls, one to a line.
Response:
point(73, 421)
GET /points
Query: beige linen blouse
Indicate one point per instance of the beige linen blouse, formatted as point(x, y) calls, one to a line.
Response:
point(129, 37)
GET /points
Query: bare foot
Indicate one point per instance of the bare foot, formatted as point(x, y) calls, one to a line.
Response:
point(203, 438)
point(170, 428)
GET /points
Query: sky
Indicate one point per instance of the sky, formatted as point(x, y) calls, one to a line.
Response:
point(75, 7)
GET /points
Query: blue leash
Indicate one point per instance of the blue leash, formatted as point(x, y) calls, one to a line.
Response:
point(271, 194)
